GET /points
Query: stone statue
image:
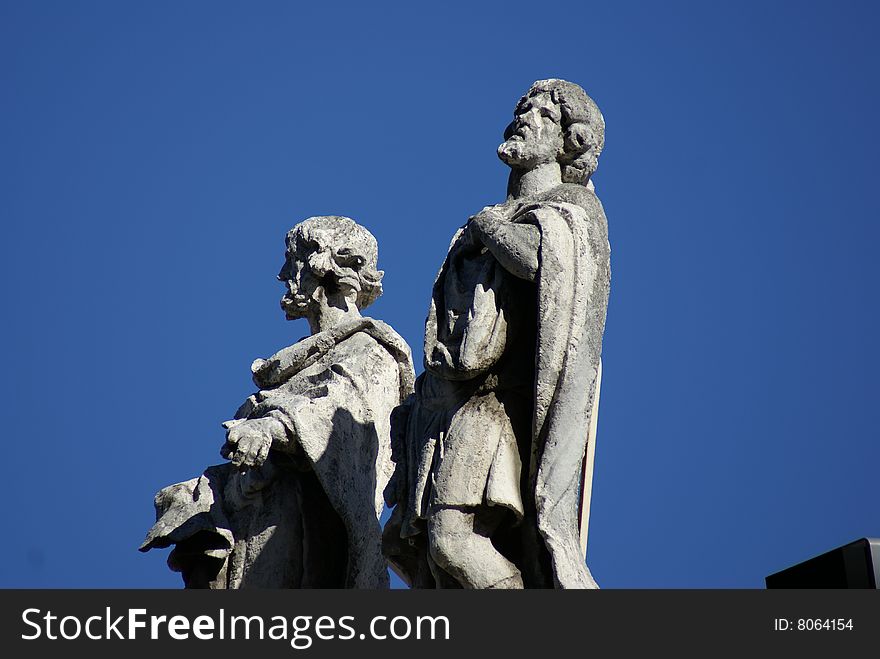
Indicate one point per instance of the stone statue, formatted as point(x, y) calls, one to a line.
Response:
point(491, 447)
point(298, 505)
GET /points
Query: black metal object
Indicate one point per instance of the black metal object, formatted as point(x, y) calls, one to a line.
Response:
point(856, 565)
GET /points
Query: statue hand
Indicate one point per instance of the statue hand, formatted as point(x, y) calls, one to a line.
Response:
point(487, 219)
point(248, 442)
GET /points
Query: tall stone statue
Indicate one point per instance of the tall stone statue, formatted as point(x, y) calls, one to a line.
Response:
point(491, 447)
point(298, 505)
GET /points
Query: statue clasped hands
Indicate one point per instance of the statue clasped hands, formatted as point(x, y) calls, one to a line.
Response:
point(488, 219)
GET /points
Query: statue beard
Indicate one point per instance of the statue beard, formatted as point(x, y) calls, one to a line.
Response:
point(294, 305)
point(295, 302)
point(511, 150)
point(520, 153)
point(312, 292)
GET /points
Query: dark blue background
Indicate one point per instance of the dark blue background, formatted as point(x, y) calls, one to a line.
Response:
point(154, 155)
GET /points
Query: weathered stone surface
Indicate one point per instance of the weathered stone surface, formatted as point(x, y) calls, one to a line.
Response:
point(490, 449)
point(298, 504)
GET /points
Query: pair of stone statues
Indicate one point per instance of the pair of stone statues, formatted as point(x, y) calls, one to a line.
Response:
point(484, 457)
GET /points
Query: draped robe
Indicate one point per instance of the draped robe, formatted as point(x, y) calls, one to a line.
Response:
point(308, 517)
point(489, 341)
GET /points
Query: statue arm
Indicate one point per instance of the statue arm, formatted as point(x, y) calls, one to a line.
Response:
point(514, 245)
point(287, 420)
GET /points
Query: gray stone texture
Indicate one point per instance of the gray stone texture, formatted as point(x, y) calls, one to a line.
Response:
point(490, 448)
point(298, 503)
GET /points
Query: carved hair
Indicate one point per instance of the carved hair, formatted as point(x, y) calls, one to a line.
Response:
point(354, 252)
point(583, 128)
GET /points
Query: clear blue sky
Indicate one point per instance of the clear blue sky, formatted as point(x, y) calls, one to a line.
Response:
point(153, 155)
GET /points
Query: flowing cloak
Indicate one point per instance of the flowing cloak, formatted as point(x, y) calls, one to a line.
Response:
point(573, 281)
point(334, 392)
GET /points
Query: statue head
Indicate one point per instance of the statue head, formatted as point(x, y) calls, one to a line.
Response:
point(333, 257)
point(555, 120)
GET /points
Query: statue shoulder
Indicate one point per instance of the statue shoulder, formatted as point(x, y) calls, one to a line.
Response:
point(571, 193)
point(358, 344)
point(580, 196)
point(377, 338)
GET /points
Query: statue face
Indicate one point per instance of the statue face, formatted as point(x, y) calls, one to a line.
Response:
point(537, 133)
point(294, 302)
point(316, 265)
